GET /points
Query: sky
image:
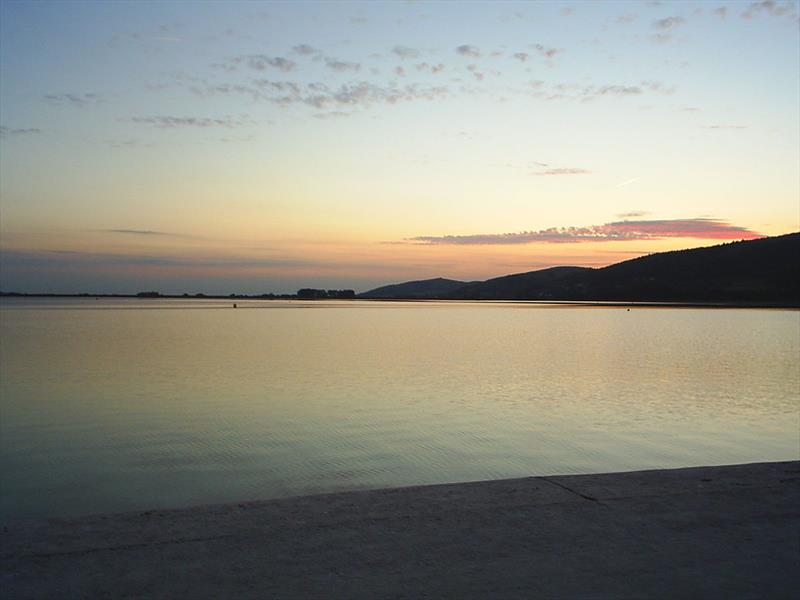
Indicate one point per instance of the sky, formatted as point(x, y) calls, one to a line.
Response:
point(263, 147)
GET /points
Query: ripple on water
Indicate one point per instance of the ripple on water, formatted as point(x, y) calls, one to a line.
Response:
point(106, 410)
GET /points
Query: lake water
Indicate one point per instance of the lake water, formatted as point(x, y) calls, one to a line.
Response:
point(114, 405)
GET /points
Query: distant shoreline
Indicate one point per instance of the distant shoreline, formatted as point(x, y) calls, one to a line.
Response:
point(760, 273)
point(284, 297)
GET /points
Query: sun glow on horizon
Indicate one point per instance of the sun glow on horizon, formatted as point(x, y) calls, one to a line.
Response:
point(262, 147)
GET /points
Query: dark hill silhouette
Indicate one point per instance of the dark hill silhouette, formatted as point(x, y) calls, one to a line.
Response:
point(426, 288)
point(556, 282)
point(762, 271)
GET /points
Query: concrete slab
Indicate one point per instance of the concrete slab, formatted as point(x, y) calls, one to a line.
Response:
point(711, 532)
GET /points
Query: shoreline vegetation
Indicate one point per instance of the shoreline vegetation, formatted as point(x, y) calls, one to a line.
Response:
point(761, 273)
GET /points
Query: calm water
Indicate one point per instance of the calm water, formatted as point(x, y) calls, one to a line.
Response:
point(122, 405)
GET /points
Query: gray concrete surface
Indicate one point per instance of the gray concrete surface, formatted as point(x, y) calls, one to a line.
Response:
point(710, 532)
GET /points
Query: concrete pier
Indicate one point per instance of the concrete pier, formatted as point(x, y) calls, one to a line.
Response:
point(710, 532)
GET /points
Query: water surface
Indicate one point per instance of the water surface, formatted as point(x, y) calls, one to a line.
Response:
point(111, 405)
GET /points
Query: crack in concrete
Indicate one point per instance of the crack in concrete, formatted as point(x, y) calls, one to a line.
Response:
point(569, 489)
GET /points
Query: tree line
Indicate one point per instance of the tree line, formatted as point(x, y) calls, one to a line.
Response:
point(313, 294)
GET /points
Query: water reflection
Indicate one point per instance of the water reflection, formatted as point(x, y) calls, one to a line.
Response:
point(109, 409)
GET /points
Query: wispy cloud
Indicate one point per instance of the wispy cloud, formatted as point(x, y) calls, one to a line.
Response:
point(771, 8)
point(661, 38)
point(545, 51)
point(475, 73)
point(261, 62)
point(658, 87)
point(583, 93)
point(625, 183)
point(321, 96)
point(700, 228)
point(562, 171)
point(129, 143)
point(341, 66)
point(304, 50)
point(718, 126)
point(668, 23)
point(147, 233)
point(334, 114)
point(77, 100)
point(429, 68)
point(633, 214)
point(15, 131)
point(468, 50)
point(405, 52)
point(59, 259)
point(665, 28)
point(170, 122)
point(615, 90)
point(136, 232)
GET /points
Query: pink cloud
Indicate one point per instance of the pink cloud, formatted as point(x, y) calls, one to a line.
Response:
point(700, 228)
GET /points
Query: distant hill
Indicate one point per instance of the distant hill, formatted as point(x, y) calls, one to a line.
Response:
point(426, 288)
point(763, 271)
point(556, 282)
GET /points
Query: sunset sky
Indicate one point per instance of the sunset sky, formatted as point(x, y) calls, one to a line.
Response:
point(261, 147)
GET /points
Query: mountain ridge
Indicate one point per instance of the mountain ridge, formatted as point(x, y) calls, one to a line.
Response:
point(765, 270)
point(416, 289)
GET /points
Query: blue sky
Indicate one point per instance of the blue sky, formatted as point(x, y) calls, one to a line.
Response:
point(256, 147)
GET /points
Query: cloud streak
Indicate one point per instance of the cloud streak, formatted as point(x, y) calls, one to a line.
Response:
point(147, 233)
point(59, 259)
point(262, 62)
point(562, 171)
point(700, 228)
point(341, 66)
point(135, 231)
point(171, 122)
point(304, 50)
point(668, 23)
point(405, 52)
point(771, 8)
point(10, 131)
point(625, 183)
point(468, 50)
point(588, 93)
point(321, 96)
point(77, 100)
point(429, 68)
point(725, 127)
point(545, 51)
